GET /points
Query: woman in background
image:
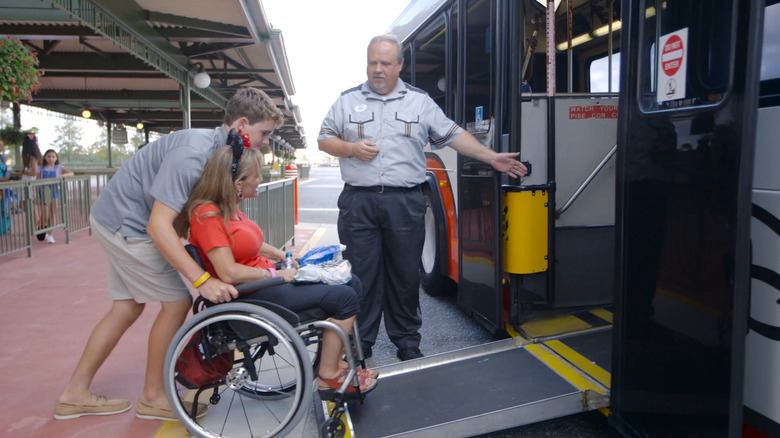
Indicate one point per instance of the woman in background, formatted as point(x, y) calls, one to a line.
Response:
point(31, 160)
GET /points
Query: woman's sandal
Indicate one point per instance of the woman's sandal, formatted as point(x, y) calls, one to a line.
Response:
point(328, 394)
point(362, 372)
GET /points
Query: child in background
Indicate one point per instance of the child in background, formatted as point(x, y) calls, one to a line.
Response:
point(5, 206)
point(49, 195)
point(5, 175)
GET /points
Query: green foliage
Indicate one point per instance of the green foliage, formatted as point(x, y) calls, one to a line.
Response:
point(20, 76)
point(68, 140)
point(12, 136)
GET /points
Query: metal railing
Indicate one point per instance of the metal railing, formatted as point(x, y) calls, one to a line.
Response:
point(31, 208)
point(274, 211)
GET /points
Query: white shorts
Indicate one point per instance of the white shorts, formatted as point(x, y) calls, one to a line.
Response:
point(136, 268)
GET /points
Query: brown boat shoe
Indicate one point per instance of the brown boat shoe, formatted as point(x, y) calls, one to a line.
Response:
point(146, 411)
point(101, 405)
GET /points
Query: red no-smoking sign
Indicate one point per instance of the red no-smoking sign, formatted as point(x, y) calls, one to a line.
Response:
point(672, 55)
point(672, 66)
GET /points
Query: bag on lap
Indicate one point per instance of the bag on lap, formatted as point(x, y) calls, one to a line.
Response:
point(198, 366)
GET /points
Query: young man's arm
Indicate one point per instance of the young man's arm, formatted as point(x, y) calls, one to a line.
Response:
point(161, 231)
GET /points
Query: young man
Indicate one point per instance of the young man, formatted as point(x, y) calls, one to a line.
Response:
point(133, 219)
point(378, 130)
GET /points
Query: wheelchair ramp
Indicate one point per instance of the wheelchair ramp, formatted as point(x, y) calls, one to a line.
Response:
point(488, 388)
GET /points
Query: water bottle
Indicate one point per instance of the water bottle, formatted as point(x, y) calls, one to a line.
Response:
point(288, 261)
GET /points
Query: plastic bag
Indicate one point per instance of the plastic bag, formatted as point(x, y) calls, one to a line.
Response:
point(322, 254)
point(330, 272)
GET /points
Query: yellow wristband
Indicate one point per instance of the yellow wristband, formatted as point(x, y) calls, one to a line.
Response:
point(202, 279)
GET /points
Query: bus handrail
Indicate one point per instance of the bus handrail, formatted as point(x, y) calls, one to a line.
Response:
point(585, 183)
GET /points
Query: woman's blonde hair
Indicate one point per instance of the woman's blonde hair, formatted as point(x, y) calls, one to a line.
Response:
point(216, 186)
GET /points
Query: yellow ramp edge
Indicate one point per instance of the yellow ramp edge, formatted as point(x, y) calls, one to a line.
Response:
point(581, 362)
point(566, 370)
point(553, 326)
point(604, 314)
point(171, 429)
point(563, 324)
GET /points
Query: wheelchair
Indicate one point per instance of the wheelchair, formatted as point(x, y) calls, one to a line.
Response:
point(246, 368)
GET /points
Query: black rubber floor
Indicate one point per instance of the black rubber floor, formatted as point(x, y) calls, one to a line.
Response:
point(454, 391)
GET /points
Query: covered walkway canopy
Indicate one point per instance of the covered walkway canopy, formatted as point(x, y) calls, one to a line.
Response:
point(130, 61)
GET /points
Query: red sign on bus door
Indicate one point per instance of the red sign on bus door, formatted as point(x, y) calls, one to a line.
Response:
point(672, 55)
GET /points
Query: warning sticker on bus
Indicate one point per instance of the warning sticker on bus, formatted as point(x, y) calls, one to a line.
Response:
point(672, 66)
point(593, 112)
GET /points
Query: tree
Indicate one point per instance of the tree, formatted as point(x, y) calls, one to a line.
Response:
point(68, 141)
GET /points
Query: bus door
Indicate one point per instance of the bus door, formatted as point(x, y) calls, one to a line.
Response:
point(689, 84)
point(478, 183)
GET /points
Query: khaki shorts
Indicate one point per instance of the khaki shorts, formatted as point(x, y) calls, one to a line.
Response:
point(136, 268)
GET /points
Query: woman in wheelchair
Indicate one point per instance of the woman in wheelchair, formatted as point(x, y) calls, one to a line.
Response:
point(232, 249)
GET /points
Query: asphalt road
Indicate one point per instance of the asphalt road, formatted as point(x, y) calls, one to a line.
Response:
point(445, 327)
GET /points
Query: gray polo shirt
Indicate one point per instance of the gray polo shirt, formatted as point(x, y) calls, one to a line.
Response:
point(165, 170)
point(400, 124)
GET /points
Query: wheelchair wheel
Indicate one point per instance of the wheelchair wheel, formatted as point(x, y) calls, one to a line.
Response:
point(269, 387)
point(276, 374)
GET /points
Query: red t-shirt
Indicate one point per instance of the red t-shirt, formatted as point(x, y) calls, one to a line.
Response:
point(244, 237)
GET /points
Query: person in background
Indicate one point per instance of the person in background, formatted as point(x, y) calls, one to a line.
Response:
point(233, 249)
point(31, 160)
point(5, 173)
point(5, 204)
point(49, 195)
point(133, 220)
point(378, 131)
point(31, 157)
point(10, 200)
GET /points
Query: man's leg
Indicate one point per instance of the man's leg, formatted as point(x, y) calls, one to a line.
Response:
point(104, 337)
point(403, 227)
point(362, 237)
point(169, 320)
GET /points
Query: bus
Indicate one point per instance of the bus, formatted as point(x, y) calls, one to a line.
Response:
point(651, 210)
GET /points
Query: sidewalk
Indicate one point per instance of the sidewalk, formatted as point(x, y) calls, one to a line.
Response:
point(51, 302)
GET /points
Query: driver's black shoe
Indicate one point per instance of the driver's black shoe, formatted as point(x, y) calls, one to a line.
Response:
point(409, 353)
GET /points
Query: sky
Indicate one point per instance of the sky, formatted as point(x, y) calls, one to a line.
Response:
point(326, 45)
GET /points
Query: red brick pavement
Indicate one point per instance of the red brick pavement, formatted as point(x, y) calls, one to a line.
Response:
point(50, 304)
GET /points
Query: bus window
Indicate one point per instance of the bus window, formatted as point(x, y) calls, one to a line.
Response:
point(430, 61)
point(478, 104)
point(406, 70)
point(599, 75)
point(770, 52)
point(687, 53)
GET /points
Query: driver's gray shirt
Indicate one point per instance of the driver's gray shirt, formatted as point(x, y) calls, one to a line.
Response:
point(400, 124)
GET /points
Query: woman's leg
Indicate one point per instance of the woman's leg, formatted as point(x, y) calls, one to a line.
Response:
point(332, 348)
point(51, 217)
point(338, 301)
